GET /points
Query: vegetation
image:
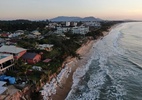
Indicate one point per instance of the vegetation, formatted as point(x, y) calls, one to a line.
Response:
point(22, 25)
point(64, 46)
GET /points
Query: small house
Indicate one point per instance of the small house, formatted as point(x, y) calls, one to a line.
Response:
point(31, 58)
point(36, 33)
point(47, 47)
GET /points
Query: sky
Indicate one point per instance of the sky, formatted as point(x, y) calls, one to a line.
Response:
point(47, 9)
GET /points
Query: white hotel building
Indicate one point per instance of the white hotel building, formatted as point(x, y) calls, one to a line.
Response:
point(80, 30)
point(74, 30)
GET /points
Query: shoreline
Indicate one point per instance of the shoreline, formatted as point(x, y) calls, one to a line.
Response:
point(62, 93)
point(66, 78)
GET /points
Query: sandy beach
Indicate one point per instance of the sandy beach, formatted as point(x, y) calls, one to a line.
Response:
point(66, 81)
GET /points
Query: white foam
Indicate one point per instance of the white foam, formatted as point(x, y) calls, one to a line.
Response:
point(116, 91)
point(97, 80)
point(80, 72)
point(50, 88)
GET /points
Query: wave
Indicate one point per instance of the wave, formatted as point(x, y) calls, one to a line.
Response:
point(78, 74)
point(139, 66)
point(103, 49)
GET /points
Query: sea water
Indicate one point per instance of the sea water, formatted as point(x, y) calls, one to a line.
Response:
point(114, 71)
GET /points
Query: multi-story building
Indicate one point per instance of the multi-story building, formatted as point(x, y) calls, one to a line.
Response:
point(80, 30)
point(61, 30)
point(6, 62)
point(17, 52)
point(74, 30)
point(67, 23)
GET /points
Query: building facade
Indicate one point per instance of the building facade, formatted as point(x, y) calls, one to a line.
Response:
point(6, 62)
point(80, 30)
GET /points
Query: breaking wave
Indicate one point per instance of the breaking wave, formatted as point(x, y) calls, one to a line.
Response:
point(112, 71)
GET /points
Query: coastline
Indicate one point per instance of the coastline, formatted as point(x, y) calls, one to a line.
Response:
point(66, 80)
point(84, 51)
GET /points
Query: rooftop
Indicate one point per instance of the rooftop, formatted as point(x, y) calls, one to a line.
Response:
point(11, 49)
point(46, 60)
point(46, 45)
point(29, 55)
point(4, 55)
point(2, 89)
point(36, 32)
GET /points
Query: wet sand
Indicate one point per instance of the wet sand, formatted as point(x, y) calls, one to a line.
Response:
point(76, 63)
point(85, 51)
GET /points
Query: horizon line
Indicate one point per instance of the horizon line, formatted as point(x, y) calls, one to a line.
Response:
point(44, 19)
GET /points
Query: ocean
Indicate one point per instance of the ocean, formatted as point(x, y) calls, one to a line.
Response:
point(114, 70)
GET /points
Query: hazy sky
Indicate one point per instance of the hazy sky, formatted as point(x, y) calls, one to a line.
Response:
point(45, 9)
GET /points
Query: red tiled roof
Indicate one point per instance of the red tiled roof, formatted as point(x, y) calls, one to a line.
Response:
point(47, 60)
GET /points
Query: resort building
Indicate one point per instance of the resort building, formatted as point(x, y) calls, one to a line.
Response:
point(61, 30)
point(6, 62)
point(80, 30)
point(17, 52)
point(74, 30)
